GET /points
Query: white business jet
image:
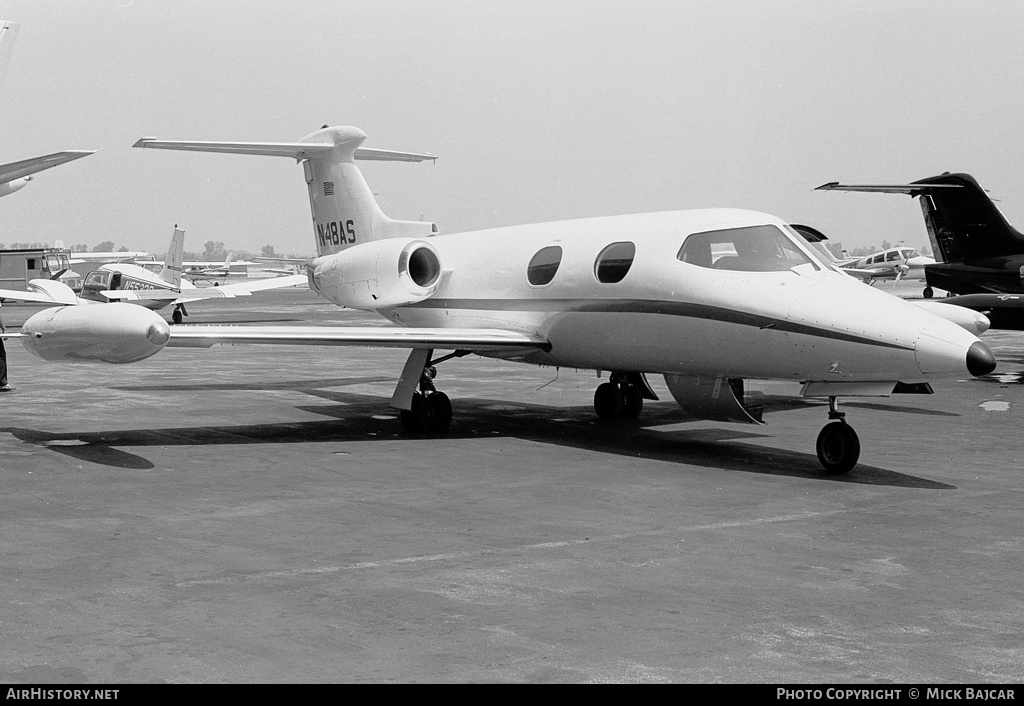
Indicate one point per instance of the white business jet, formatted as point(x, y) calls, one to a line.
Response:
point(708, 298)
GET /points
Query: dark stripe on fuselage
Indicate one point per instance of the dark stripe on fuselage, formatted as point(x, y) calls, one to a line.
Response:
point(650, 306)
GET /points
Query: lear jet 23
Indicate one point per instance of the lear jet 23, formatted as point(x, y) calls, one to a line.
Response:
point(708, 298)
point(15, 175)
point(127, 282)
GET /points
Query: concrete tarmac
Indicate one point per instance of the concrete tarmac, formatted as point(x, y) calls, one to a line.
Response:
point(255, 514)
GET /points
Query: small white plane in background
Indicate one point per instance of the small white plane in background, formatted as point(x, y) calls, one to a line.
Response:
point(895, 264)
point(709, 298)
point(213, 271)
point(15, 175)
point(103, 257)
point(122, 281)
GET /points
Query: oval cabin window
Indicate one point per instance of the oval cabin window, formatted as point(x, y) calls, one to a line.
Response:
point(614, 262)
point(544, 265)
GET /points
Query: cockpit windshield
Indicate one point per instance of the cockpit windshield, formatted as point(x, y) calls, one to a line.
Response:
point(763, 248)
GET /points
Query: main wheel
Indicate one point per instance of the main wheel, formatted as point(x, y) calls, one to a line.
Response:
point(415, 420)
point(176, 316)
point(928, 292)
point(838, 447)
point(439, 412)
point(632, 402)
point(608, 401)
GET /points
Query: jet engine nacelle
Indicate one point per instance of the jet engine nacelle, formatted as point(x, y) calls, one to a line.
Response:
point(378, 274)
point(105, 333)
point(717, 398)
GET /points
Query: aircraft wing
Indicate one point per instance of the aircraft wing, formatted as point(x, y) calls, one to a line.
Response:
point(17, 170)
point(228, 291)
point(860, 273)
point(203, 336)
point(43, 292)
point(909, 189)
point(296, 150)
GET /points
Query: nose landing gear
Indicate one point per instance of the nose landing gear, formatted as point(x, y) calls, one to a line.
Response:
point(838, 445)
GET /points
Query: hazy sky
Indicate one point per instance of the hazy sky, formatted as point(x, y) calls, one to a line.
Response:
point(539, 110)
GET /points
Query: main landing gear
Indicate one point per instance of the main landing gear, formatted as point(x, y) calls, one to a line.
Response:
point(424, 409)
point(928, 292)
point(838, 445)
point(622, 397)
point(431, 410)
point(179, 310)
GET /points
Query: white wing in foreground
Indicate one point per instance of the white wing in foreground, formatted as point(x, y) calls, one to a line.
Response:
point(202, 336)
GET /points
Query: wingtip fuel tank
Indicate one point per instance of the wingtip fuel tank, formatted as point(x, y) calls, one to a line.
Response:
point(109, 333)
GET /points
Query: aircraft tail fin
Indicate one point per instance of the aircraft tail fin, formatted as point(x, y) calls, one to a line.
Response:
point(963, 222)
point(171, 272)
point(345, 213)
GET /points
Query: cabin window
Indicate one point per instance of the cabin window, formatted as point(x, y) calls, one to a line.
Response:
point(878, 258)
point(544, 265)
point(894, 255)
point(614, 262)
point(97, 278)
point(750, 249)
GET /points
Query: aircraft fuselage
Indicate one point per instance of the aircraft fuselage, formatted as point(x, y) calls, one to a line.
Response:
point(666, 315)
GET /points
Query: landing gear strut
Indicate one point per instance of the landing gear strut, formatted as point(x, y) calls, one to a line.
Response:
point(622, 397)
point(429, 409)
point(838, 445)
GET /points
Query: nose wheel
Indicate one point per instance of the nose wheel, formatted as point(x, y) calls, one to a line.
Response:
point(838, 444)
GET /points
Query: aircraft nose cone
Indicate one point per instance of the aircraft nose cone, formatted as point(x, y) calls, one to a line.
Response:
point(980, 360)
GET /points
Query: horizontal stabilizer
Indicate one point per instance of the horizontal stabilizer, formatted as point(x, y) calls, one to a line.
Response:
point(909, 189)
point(198, 336)
point(295, 150)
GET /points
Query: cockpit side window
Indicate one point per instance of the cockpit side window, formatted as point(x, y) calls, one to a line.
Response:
point(97, 278)
point(762, 248)
point(893, 255)
point(544, 265)
point(614, 262)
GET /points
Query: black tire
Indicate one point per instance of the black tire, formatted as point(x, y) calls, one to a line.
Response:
point(632, 402)
point(608, 401)
point(838, 448)
point(176, 316)
point(414, 420)
point(928, 292)
point(438, 412)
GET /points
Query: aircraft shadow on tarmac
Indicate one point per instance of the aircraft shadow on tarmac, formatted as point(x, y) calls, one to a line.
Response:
point(363, 417)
